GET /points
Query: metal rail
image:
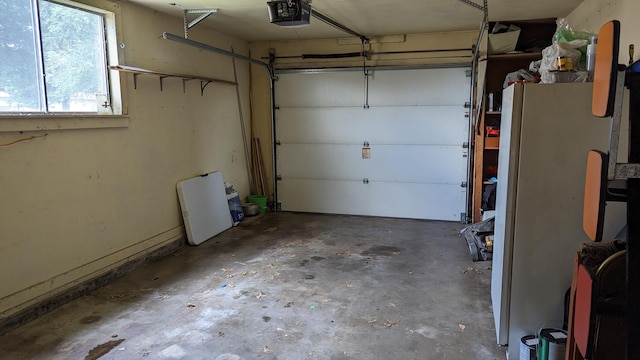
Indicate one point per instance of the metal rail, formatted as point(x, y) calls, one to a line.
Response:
point(265, 66)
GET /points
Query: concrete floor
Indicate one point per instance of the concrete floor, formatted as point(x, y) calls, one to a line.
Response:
point(288, 287)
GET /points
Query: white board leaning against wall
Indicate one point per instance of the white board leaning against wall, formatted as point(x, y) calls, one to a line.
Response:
point(401, 157)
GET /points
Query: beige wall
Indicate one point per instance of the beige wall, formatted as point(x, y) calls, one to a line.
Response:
point(592, 14)
point(79, 202)
point(427, 42)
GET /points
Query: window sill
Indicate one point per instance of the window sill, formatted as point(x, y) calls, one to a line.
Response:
point(61, 122)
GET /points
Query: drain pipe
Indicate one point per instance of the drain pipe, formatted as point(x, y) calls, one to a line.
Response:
point(172, 37)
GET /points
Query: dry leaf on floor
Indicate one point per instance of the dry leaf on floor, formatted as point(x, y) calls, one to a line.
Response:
point(371, 321)
point(260, 295)
point(226, 270)
point(191, 305)
point(272, 266)
point(266, 350)
point(390, 323)
point(325, 301)
point(462, 327)
point(391, 305)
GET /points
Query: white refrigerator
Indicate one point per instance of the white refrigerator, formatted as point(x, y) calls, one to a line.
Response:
point(546, 131)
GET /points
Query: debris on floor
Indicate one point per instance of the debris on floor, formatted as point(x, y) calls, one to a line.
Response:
point(390, 322)
point(102, 349)
point(479, 238)
point(472, 269)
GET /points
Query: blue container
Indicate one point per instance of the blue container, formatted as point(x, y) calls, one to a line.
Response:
point(235, 208)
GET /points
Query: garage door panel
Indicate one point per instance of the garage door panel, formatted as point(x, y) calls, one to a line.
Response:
point(417, 201)
point(432, 87)
point(408, 163)
point(321, 161)
point(423, 164)
point(320, 89)
point(387, 125)
point(332, 197)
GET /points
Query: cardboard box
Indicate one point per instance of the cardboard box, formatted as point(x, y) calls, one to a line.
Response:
point(491, 142)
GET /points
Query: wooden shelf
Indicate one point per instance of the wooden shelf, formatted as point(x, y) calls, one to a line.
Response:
point(536, 55)
point(204, 81)
point(535, 35)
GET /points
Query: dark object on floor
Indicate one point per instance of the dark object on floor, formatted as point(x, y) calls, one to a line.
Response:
point(489, 197)
point(479, 237)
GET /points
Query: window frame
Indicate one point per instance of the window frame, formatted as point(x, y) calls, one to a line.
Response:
point(115, 95)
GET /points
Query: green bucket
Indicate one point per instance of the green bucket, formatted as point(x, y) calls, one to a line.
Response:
point(261, 200)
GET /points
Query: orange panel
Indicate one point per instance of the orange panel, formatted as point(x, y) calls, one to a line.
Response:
point(605, 73)
point(582, 315)
point(593, 209)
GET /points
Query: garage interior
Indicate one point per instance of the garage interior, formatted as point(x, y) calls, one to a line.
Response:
point(360, 129)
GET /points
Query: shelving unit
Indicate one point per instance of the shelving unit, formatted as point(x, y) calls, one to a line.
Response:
point(204, 81)
point(534, 36)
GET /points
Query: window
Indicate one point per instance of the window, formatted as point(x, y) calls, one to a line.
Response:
point(54, 58)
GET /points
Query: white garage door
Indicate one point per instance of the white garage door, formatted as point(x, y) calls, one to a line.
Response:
point(401, 157)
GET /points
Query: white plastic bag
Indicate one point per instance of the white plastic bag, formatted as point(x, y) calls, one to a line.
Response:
point(516, 76)
point(550, 54)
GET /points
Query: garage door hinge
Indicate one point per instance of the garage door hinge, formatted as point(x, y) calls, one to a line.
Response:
point(365, 181)
point(278, 142)
point(277, 107)
point(463, 184)
point(465, 145)
point(279, 177)
point(467, 104)
point(278, 206)
point(463, 218)
point(467, 73)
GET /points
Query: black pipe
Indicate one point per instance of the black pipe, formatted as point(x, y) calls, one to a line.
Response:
point(332, 56)
point(633, 222)
point(368, 53)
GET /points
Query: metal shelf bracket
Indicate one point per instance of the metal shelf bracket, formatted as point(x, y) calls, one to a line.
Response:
point(204, 13)
point(204, 81)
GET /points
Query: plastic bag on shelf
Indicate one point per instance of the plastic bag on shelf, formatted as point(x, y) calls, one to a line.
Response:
point(565, 34)
point(569, 55)
point(516, 76)
point(552, 77)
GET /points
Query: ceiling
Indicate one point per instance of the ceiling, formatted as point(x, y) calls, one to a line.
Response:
point(249, 19)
